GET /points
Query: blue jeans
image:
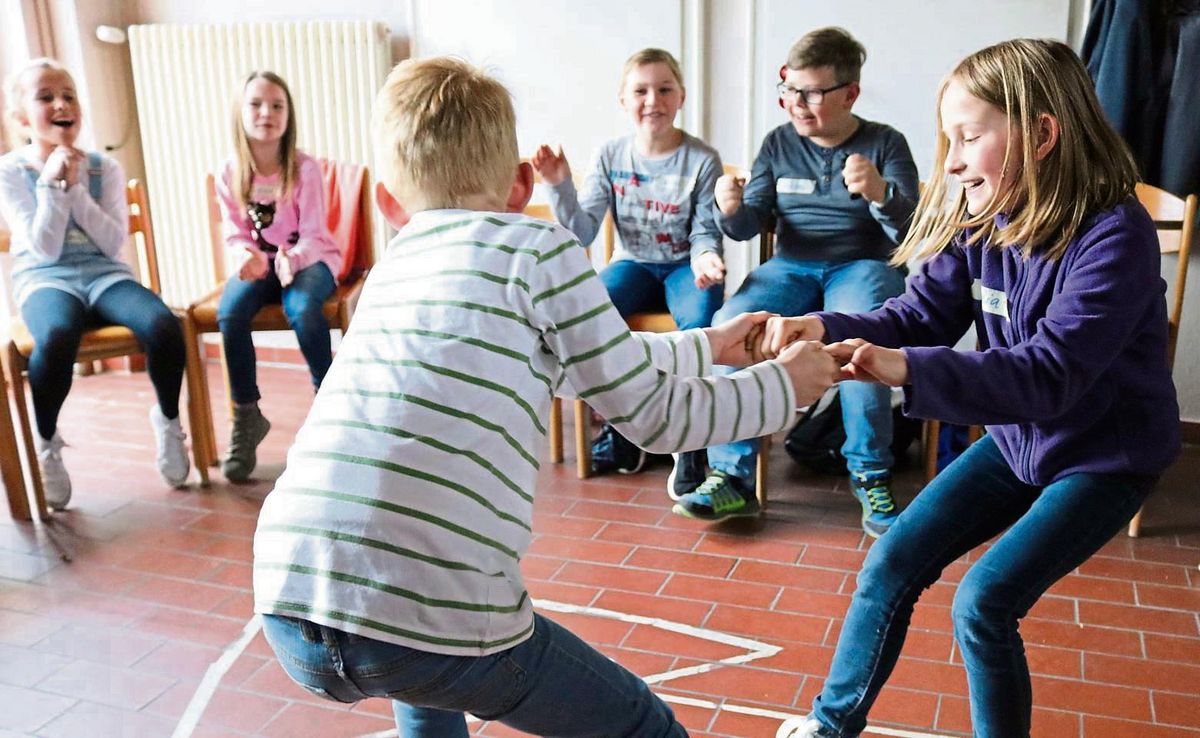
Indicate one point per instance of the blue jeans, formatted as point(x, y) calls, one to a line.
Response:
point(793, 287)
point(303, 301)
point(1050, 531)
point(551, 684)
point(644, 287)
point(57, 320)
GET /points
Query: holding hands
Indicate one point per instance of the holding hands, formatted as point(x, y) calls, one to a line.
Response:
point(862, 178)
point(551, 165)
point(739, 342)
point(859, 360)
point(709, 269)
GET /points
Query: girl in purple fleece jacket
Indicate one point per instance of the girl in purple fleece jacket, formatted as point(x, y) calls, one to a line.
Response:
point(1044, 249)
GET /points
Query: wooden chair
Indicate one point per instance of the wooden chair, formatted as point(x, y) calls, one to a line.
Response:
point(101, 343)
point(1175, 220)
point(349, 218)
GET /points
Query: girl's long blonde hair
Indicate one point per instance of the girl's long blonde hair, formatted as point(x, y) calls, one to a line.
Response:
point(17, 133)
point(244, 159)
point(1089, 169)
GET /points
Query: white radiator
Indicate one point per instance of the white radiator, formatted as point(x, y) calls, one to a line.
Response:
point(186, 79)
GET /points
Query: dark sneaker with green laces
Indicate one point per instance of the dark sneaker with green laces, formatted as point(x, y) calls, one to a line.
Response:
point(874, 493)
point(721, 496)
point(612, 451)
point(687, 474)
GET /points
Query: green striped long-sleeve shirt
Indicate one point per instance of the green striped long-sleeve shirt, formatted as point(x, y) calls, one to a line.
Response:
point(407, 500)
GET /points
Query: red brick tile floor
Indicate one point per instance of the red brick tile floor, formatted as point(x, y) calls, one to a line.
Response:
point(112, 616)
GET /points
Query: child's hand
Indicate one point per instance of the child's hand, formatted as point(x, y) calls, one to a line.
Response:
point(811, 369)
point(283, 268)
point(551, 166)
point(736, 342)
point(866, 362)
point(781, 332)
point(728, 193)
point(62, 165)
point(709, 269)
point(254, 266)
point(862, 178)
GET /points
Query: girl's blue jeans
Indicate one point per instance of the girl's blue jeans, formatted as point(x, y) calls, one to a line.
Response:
point(551, 684)
point(1044, 533)
point(57, 321)
point(303, 301)
point(644, 287)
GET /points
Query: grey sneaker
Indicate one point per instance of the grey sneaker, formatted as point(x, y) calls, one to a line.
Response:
point(249, 429)
point(687, 474)
point(805, 727)
point(55, 481)
point(173, 462)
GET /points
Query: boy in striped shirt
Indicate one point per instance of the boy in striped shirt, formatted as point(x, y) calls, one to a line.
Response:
point(387, 558)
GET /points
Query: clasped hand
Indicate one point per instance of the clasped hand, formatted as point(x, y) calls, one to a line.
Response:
point(859, 360)
point(740, 342)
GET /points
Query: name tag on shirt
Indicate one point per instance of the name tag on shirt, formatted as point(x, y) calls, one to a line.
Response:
point(994, 301)
point(794, 186)
point(264, 192)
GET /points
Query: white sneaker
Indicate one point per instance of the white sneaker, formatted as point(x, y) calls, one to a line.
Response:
point(55, 481)
point(173, 462)
point(801, 727)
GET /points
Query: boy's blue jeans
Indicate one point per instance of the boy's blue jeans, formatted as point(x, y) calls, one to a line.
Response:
point(792, 287)
point(1053, 530)
point(303, 301)
point(551, 684)
point(643, 287)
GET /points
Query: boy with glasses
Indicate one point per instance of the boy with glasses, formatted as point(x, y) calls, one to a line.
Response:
point(842, 191)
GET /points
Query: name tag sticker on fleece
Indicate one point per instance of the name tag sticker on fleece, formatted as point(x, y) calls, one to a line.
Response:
point(994, 302)
point(793, 186)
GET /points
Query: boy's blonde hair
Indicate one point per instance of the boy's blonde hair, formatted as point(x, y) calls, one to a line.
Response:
point(651, 56)
point(829, 47)
point(445, 131)
point(1089, 169)
point(243, 170)
point(18, 135)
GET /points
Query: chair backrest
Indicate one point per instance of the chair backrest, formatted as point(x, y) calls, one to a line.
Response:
point(1175, 221)
point(141, 231)
point(344, 183)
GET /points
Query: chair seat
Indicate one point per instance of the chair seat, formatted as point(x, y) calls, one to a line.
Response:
point(651, 322)
point(99, 343)
point(271, 317)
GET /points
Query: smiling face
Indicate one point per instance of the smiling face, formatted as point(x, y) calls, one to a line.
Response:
point(264, 111)
point(977, 136)
point(48, 107)
point(831, 118)
point(652, 96)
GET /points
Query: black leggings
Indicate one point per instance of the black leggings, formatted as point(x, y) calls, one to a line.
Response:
point(57, 320)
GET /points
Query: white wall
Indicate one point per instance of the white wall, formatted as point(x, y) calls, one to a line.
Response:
point(562, 60)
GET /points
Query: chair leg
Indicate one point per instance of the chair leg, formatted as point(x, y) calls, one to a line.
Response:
point(583, 440)
point(1135, 525)
point(10, 461)
point(761, 470)
point(195, 376)
point(16, 364)
point(556, 431)
point(930, 433)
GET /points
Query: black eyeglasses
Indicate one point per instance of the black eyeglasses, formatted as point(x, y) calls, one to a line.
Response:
point(812, 95)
